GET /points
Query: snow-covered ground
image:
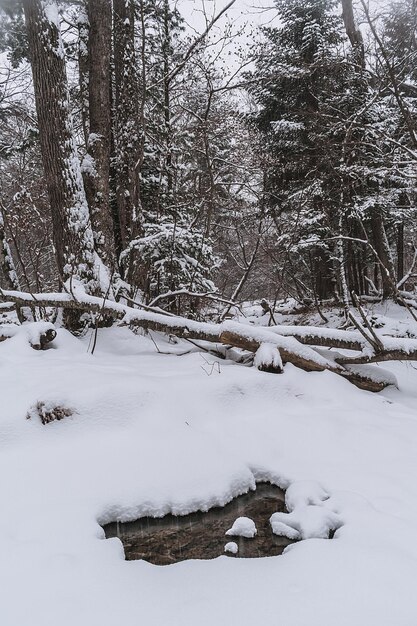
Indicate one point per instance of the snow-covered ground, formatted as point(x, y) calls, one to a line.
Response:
point(153, 433)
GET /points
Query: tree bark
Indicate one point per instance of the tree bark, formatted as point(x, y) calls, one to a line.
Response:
point(400, 251)
point(166, 46)
point(72, 234)
point(83, 33)
point(127, 135)
point(96, 165)
point(382, 248)
point(353, 32)
point(8, 269)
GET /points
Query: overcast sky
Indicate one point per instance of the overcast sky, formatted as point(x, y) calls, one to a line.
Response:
point(258, 11)
point(245, 16)
point(252, 12)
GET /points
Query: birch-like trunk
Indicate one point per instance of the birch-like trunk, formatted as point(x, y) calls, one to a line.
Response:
point(8, 269)
point(127, 132)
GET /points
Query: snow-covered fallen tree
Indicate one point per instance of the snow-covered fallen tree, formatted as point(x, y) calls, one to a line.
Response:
point(272, 346)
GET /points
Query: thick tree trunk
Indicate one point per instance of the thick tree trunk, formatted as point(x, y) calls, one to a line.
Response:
point(83, 32)
point(353, 32)
point(73, 238)
point(96, 164)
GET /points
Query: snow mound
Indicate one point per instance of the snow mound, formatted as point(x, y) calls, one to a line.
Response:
point(231, 547)
point(243, 527)
point(304, 492)
point(305, 522)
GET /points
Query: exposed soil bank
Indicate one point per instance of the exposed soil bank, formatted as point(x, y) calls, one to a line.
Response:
point(200, 535)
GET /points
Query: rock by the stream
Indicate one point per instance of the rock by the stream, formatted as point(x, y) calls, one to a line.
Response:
point(243, 527)
point(231, 547)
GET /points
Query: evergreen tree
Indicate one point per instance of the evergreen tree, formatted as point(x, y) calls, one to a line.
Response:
point(332, 167)
point(161, 47)
point(300, 100)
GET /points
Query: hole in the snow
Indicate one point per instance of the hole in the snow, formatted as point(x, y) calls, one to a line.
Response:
point(173, 538)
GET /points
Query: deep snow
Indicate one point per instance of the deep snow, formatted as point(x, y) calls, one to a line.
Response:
point(153, 433)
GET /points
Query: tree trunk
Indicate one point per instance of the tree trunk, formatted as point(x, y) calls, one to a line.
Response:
point(167, 98)
point(7, 266)
point(323, 288)
point(354, 34)
point(72, 234)
point(127, 135)
point(83, 32)
point(404, 203)
point(400, 251)
point(96, 165)
point(382, 248)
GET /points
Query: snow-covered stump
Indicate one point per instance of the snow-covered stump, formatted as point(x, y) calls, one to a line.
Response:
point(38, 334)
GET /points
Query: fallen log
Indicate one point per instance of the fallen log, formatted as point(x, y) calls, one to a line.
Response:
point(291, 344)
point(322, 337)
point(364, 378)
point(369, 378)
point(7, 307)
point(127, 315)
point(380, 357)
point(393, 349)
point(63, 300)
point(307, 362)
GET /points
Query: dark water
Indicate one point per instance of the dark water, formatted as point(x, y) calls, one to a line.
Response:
point(173, 538)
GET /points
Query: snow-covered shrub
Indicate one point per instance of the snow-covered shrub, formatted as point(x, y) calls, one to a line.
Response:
point(48, 412)
point(176, 258)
